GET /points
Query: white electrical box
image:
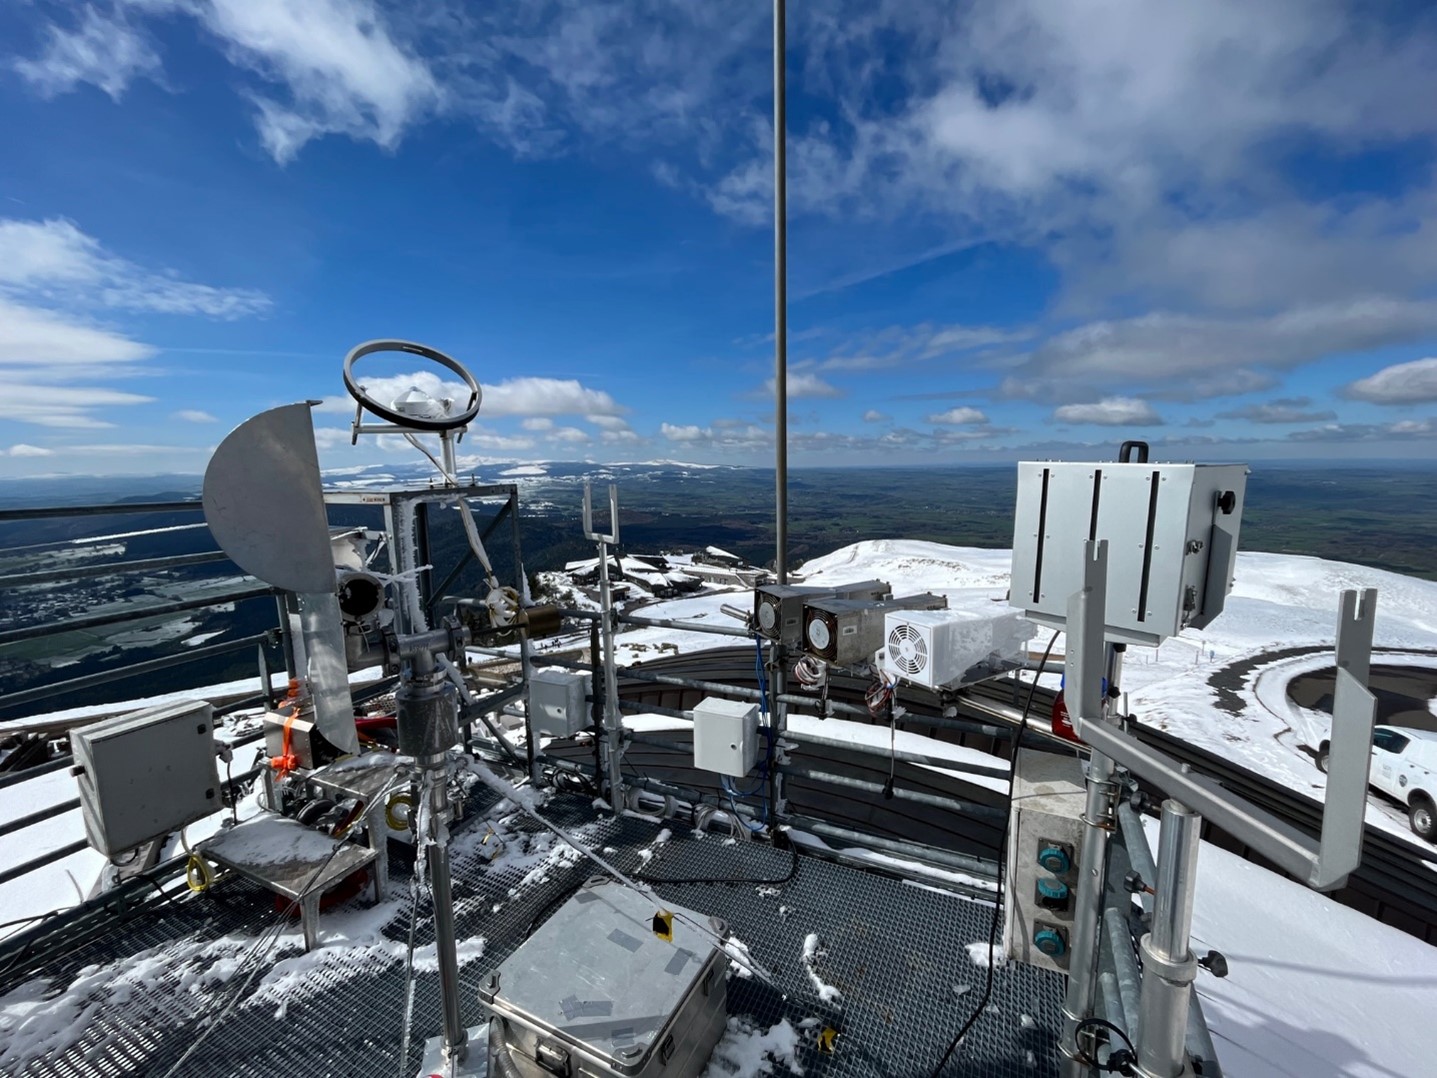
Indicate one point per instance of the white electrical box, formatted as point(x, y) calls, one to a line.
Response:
point(557, 707)
point(938, 648)
point(145, 774)
point(1172, 533)
point(725, 736)
point(1045, 840)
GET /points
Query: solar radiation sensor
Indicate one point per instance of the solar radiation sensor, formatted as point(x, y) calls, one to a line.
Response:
point(414, 409)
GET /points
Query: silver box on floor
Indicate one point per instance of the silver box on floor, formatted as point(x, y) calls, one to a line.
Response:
point(596, 993)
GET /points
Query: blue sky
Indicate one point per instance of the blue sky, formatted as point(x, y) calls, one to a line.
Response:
point(1019, 228)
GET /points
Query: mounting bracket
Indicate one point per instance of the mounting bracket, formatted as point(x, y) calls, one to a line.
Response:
point(1322, 863)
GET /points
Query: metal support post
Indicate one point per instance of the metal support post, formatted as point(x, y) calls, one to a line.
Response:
point(613, 717)
point(778, 722)
point(526, 665)
point(780, 289)
point(427, 714)
point(1085, 668)
point(445, 949)
point(1169, 968)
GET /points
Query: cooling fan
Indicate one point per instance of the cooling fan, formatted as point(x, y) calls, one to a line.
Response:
point(907, 650)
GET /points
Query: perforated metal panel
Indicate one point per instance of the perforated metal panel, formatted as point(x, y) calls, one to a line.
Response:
point(898, 954)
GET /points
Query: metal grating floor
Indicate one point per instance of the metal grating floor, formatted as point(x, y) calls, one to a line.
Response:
point(133, 1003)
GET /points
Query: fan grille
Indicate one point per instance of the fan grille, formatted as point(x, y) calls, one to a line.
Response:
point(907, 649)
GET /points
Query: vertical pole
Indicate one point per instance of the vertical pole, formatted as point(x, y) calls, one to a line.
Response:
point(526, 665)
point(1169, 968)
point(613, 719)
point(1083, 965)
point(425, 580)
point(445, 949)
point(780, 290)
point(426, 710)
point(446, 455)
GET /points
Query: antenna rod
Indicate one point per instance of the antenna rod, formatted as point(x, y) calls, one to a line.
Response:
point(780, 291)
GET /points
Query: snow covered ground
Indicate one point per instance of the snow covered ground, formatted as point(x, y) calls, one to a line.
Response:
point(1315, 989)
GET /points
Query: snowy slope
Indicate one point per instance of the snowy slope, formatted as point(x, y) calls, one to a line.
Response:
point(1315, 988)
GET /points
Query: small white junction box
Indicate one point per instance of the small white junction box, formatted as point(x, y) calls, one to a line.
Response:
point(725, 736)
point(556, 702)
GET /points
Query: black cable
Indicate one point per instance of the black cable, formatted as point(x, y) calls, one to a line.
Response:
point(1002, 865)
point(1119, 1062)
point(230, 786)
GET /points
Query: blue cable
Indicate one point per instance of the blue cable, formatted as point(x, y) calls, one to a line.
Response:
point(767, 765)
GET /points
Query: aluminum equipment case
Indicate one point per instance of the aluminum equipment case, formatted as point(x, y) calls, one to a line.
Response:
point(595, 993)
point(145, 774)
point(1172, 532)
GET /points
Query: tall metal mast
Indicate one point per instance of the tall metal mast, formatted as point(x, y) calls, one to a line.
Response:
point(780, 292)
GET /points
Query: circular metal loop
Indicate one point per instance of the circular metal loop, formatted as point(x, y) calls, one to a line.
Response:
point(399, 419)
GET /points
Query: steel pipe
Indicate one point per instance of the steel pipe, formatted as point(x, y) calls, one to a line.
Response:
point(86, 572)
point(49, 512)
point(683, 626)
point(1098, 825)
point(899, 754)
point(120, 673)
point(952, 804)
point(19, 823)
point(92, 621)
point(780, 288)
point(1119, 941)
point(1170, 968)
point(1140, 854)
point(947, 860)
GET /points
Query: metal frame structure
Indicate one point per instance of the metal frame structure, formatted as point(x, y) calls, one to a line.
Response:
point(1158, 999)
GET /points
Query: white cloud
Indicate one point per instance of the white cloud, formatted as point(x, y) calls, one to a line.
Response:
point(683, 433)
point(104, 49)
point(53, 276)
point(63, 405)
point(895, 346)
point(1402, 383)
point(570, 436)
point(48, 344)
point(336, 63)
point(326, 66)
point(1194, 356)
point(803, 384)
point(608, 422)
point(536, 399)
point(23, 450)
point(193, 415)
point(54, 262)
point(1282, 410)
point(618, 436)
point(955, 416)
point(1110, 412)
point(547, 397)
point(873, 415)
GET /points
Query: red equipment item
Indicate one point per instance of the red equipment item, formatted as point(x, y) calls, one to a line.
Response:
point(1062, 723)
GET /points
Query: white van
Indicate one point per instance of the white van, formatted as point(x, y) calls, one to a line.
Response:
point(1404, 767)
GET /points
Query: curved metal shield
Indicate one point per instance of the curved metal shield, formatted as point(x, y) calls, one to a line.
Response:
point(264, 501)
